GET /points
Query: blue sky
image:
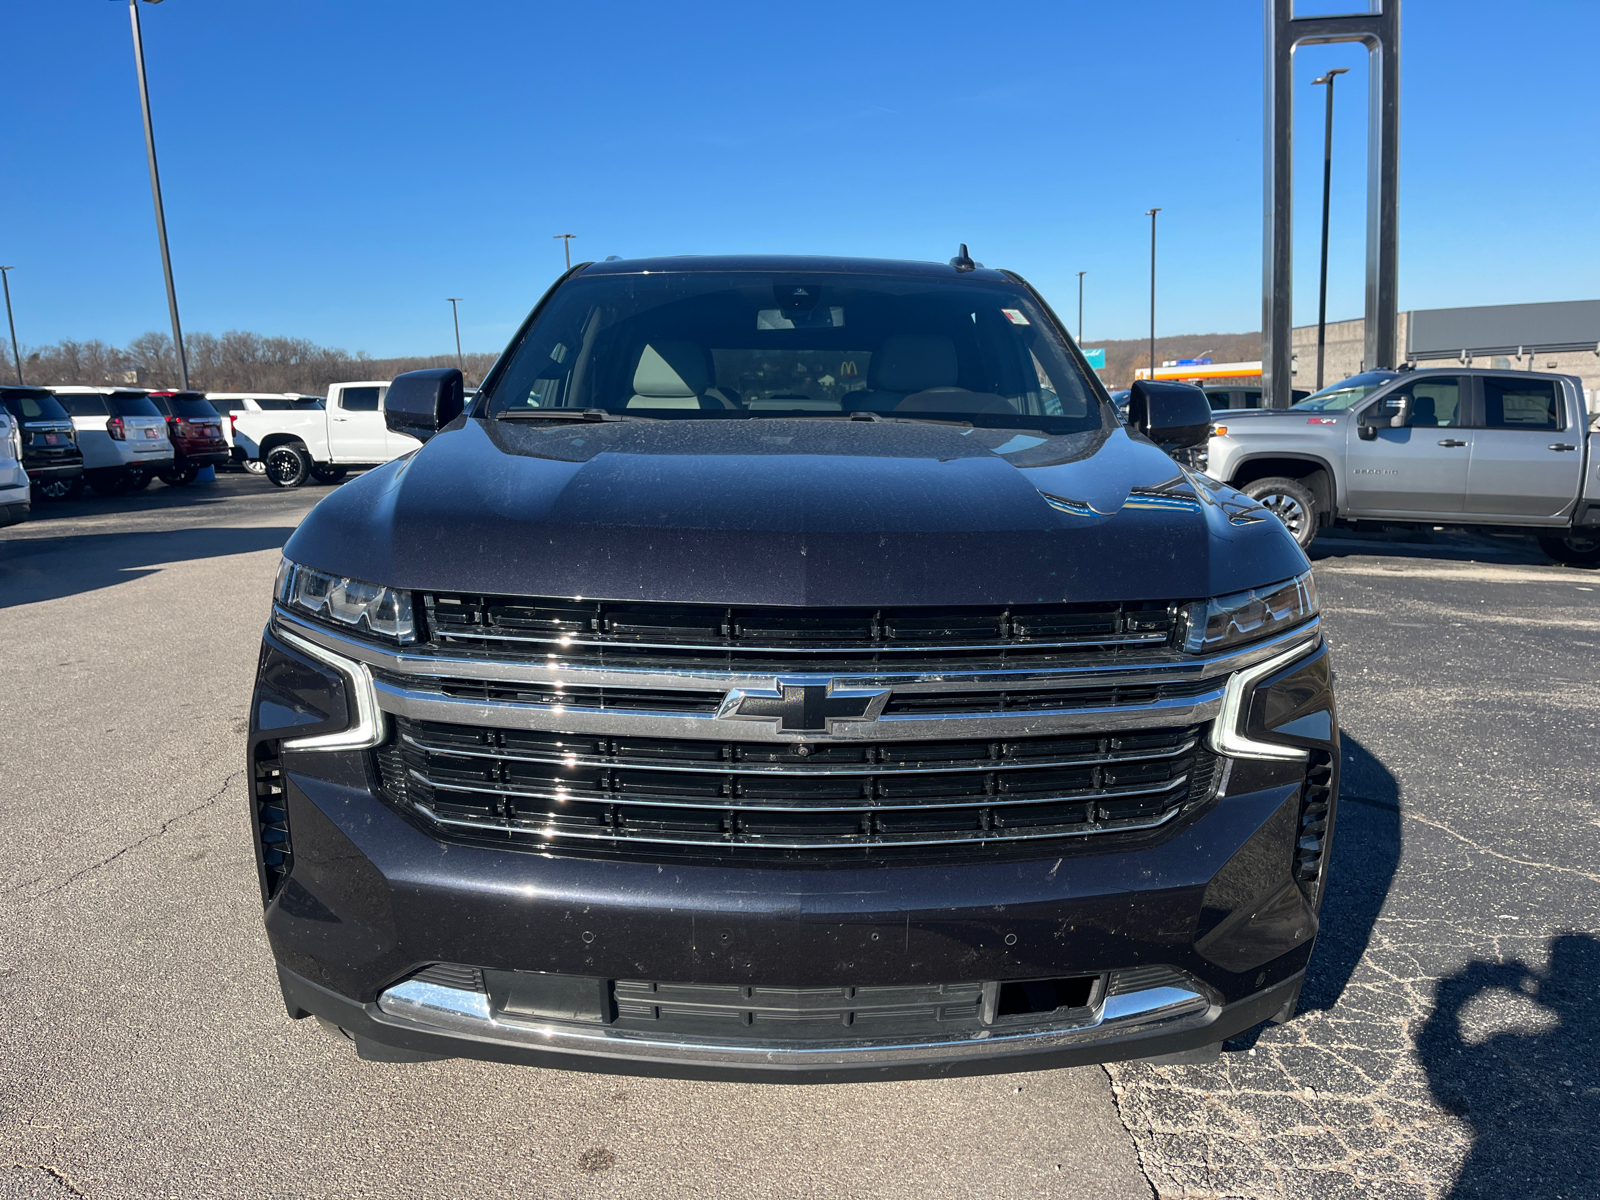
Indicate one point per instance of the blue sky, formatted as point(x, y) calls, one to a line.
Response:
point(334, 171)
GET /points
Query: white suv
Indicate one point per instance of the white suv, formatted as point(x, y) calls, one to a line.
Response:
point(16, 498)
point(123, 436)
point(229, 404)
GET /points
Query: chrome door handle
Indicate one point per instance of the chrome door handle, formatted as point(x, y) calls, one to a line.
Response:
point(1454, 442)
point(1561, 446)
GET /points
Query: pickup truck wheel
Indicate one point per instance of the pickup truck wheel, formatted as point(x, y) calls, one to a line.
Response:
point(1291, 502)
point(327, 472)
point(179, 476)
point(136, 479)
point(255, 466)
point(1577, 550)
point(287, 466)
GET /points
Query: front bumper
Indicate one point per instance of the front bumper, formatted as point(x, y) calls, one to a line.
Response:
point(1216, 901)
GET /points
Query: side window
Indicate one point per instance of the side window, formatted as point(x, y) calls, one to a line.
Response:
point(84, 404)
point(1435, 403)
point(1511, 403)
point(359, 399)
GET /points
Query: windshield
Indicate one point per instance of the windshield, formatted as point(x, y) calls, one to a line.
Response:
point(1344, 393)
point(731, 345)
point(35, 406)
point(132, 404)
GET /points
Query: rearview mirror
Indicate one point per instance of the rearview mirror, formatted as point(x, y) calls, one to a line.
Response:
point(420, 403)
point(1391, 413)
point(1171, 415)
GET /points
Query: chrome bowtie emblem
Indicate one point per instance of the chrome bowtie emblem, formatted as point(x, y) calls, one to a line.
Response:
point(804, 705)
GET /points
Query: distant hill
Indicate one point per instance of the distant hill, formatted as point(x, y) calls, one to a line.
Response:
point(1123, 355)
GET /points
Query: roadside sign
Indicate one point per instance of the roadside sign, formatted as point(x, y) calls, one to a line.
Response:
point(1097, 358)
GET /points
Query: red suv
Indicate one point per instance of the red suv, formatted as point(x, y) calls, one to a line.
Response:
point(196, 432)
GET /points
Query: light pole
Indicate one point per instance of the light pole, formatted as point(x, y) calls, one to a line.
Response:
point(1081, 274)
point(1327, 184)
point(566, 244)
point(155, 189)
point(456, 317)
point(16, 351)
point(1152, 215)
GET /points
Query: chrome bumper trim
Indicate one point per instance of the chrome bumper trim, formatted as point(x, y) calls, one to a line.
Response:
point(431, 1008)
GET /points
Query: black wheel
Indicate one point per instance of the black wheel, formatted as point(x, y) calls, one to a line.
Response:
point(1574, 550)
point(287, 466)
point(1291, 502)
point(254, 466)
point(60, 489)
point(136, 479)
point(104, 483)
point(328, 472)
point(178, 476)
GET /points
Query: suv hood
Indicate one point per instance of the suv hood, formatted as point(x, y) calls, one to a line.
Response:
point(794, 512)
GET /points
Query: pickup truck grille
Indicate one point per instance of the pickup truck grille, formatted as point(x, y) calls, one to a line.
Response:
point(545, 789)
point(761, 639)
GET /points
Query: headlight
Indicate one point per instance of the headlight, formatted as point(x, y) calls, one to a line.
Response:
point(338, 600)
point(1250, 616)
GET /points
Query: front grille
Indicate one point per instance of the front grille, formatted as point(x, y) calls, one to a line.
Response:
point(541, 789)
point(769, 639)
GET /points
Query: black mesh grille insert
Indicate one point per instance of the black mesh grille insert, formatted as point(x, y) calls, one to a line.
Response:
point(717, 637)
point(540, 788)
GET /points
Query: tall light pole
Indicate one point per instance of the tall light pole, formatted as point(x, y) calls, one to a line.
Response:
point(1152, 215)
point(1081, 274)
point(16, 351)
point(456, 317)
point(155, 189)
point(1327, 186)
point(566, 244)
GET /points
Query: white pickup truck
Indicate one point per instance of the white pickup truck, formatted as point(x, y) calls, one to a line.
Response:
point(322, 443)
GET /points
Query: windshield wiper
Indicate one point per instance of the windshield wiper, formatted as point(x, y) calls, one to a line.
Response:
point(563, 414)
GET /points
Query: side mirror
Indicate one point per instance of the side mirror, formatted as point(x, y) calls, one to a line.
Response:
point(420, 403)
point(1392, 413)
point(1171, 415)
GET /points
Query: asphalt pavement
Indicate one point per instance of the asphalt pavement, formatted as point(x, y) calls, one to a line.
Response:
point(1446, 1046)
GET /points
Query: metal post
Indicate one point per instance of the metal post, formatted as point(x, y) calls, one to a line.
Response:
point(16, 350)
point(566, 244)
point(1081, 274)
point(155, 189)
point(1327, 187)
point(1379, 31)
point(454, 316)
point(1152, 215)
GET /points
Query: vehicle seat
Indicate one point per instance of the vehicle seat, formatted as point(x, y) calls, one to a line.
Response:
point(904, 365)
point(1422, 411)
point(674, 374)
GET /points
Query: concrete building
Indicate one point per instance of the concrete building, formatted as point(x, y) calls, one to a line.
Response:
point(1561, 336)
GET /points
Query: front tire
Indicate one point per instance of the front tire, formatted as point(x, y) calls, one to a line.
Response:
point(254, 466)
point(136, 479)
point(287, 466)
point(179, 476)
point(328, 472)
point(1574, 550)
point(1291, 502)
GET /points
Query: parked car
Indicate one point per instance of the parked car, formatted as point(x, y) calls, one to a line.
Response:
point(789, 669)
point(1225, 397)
point(122, 434)
point(16, 500)
point(195, 430)
point(231, 403)
point(1443, 446)
point(49, 446)
point(322, 444)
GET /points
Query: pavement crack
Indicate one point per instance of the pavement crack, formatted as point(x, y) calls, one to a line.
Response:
point(59, 1178)
point(1411, 814)
point(1138, 1142)
point(134, 845)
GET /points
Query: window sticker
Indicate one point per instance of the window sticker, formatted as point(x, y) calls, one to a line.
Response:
point(1014, 315)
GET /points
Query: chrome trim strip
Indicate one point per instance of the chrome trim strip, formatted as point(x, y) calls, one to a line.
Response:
point(985, 837)
point(792, 770)
point(368, 729)
point(620, 722)
point(1168, 668)
point(746, 806)
point(422, 1006)
point(1146, 639)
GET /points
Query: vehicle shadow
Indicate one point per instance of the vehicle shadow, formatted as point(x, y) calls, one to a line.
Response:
point(1512, 1050)
point(48, 568)
point(1451, 545)
point(1366, 854)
